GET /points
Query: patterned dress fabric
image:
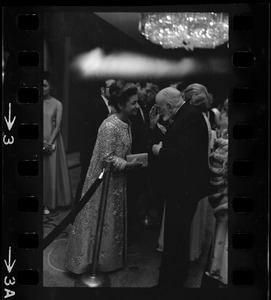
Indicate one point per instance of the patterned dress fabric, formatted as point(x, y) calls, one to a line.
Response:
point(114, 143)
point(218, 264)
point(56, 180)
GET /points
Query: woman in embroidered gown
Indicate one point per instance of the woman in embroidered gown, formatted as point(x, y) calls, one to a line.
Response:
point(113, 142)
point(56, 181)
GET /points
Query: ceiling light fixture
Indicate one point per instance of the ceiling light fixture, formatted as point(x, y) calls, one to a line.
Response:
point(185, 30)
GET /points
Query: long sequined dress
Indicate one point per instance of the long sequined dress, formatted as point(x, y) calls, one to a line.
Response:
point(56, 180)
point(114, 142)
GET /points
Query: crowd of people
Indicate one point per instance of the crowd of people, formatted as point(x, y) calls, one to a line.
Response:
point(185, 138)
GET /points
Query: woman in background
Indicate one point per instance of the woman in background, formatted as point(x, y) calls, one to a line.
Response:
point(56, 181)
point(216, 274)
point(113, 143)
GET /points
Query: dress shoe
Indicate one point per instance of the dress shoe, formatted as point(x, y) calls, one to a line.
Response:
point(46, 211)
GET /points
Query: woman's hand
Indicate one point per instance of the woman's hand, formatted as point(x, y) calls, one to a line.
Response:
point(134, 164)
point(48, 148)
point(154, 116)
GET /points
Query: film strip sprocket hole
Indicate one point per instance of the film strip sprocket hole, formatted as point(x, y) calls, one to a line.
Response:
point(28, 204)
point(28, 22)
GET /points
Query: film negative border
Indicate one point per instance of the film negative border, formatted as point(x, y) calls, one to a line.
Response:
point(22, 141)
point(248, 153)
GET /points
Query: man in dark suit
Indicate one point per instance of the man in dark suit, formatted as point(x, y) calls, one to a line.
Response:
point(183, 158)
point(93, 115)
point(137, 185)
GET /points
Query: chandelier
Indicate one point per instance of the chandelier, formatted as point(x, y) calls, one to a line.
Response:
point(185, 30)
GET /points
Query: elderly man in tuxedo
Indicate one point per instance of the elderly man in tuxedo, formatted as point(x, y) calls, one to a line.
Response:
point(183, 159)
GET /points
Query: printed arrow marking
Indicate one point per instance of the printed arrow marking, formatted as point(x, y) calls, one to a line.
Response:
point(9, 265)
point(9, 122)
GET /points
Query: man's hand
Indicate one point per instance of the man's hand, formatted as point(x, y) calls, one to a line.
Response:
point(154, 116)
point(162, 128)
point(156, 148)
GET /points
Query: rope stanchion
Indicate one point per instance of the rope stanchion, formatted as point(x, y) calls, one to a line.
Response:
point(70, 217)
point(94, 278)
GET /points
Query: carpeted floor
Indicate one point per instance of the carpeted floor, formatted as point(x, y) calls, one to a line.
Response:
point(143, 260)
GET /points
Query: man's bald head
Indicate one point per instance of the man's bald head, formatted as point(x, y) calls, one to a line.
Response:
point(170, 95)
point(168, 100)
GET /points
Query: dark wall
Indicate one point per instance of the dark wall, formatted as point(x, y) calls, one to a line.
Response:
point(67, 35)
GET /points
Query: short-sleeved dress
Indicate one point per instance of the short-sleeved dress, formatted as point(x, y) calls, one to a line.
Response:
point(56, 181)
point(113, 142)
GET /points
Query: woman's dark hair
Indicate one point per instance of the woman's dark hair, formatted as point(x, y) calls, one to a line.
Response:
point(47, 76)
point(120, 92)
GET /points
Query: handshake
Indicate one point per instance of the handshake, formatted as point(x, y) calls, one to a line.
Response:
point(136, 161)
